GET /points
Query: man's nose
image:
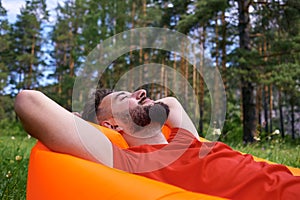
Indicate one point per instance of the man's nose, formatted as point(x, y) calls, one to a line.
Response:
point(139, 94)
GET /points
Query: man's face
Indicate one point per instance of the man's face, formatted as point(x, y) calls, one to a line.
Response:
point(135, 109)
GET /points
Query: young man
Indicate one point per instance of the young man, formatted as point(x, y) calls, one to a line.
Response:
point(182, 160)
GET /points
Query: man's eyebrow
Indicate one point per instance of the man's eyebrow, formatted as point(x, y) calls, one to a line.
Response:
point(121, 93)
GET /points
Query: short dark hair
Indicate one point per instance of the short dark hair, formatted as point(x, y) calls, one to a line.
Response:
point(91, 107)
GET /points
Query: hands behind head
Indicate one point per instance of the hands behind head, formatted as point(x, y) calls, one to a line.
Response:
point(77, 114)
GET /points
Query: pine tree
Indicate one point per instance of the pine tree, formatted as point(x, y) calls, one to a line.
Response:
point(26, 71)
point(247, 85)
point(208, 16)
point(66, 37)
point(285, 51)
point(6, 103)
point(4, 48)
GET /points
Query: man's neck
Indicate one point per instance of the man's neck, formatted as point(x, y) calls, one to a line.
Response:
point(146, 136)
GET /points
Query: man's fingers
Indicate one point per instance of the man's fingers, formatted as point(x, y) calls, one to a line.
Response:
point(77, 114)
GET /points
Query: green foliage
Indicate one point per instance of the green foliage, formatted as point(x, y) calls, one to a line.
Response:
point(204, 13)
point(287, 75)
point(4, 47)
point(80, 25)
point(233, 129)
point(7, 108)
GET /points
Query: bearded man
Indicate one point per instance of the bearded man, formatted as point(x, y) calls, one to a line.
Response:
point(181, 160)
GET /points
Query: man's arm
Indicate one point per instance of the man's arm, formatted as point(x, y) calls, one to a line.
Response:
point(60, 130)
point(178, 118)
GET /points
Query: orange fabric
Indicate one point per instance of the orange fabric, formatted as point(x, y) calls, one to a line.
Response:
point(166, 131)
point(221, 171)
point(117, 138)
point(112, 135)
point(58, 176)
point(63, 177)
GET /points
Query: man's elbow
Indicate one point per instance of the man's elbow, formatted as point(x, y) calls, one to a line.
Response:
point(24, 101)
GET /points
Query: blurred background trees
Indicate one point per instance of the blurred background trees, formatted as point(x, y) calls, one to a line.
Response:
point(254, 44)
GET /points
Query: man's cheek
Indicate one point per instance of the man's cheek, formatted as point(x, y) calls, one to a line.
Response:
point(131, 105)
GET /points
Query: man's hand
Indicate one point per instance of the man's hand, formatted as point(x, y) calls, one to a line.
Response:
point(77, 114)
point(178, 118)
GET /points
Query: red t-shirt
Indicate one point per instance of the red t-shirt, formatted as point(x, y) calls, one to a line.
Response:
point(208, 167)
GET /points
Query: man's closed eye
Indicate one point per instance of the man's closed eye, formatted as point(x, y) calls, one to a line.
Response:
point(123, 97)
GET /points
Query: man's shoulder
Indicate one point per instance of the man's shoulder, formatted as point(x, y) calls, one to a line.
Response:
point(180, 133)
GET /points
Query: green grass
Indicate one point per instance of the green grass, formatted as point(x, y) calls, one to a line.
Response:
point(14, 172)
point(14, 159)
point(280, 151)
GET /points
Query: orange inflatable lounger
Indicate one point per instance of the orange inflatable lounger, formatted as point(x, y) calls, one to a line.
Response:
point(59, 176)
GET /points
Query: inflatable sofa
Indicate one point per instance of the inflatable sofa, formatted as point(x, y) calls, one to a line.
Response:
point(58, 176)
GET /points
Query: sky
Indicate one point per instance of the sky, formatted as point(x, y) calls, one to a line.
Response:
point(13, 7)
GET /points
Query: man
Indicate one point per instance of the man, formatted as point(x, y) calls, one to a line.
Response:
point(182, 160)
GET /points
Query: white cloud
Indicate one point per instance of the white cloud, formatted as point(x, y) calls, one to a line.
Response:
point(13, 7)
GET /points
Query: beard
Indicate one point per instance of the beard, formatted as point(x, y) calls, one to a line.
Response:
point(145, 115)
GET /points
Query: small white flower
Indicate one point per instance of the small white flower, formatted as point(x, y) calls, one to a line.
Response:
point(18, 158)
point(13, 137)
point(256, 138)
point(269, 137)
point(8, 175)
point(217, 131)
point(276, 132)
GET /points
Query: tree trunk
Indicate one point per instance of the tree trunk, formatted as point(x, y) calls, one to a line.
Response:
point(31, 63)
point(201, 81)
point(162, 77)
point(174, 68)
point(131, 84)
point(248, 99)
point(216, 96)
point(217, 41)
point(195, 88)
point(144, 11)
point(293, 117)
point(182, 71)
point(281, 113)
point(265, 99)
point(271, 107)
point(186, 75)
point(224, 53)
point(258, 106)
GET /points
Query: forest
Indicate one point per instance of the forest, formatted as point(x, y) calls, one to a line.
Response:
point(254, 44)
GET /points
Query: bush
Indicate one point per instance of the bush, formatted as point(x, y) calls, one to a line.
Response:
point(233, 126)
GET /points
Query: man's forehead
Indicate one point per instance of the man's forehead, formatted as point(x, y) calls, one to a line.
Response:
point(115, 95)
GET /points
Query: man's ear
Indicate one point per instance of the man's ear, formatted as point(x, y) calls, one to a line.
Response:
point(107, 124)
point(110, 125)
